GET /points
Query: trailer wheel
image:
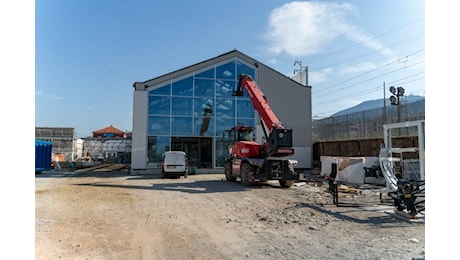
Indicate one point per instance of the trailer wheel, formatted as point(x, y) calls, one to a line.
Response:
point(286, 183)
point(228, 172)
point(246, 174)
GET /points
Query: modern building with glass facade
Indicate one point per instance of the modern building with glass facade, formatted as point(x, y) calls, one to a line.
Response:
point(189, 110)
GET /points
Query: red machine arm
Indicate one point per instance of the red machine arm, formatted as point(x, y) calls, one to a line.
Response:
point(279, 137)
point(259, 102)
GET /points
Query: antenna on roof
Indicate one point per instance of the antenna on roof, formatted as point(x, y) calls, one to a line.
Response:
point(300, 70)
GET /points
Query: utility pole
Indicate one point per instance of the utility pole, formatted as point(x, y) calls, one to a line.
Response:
point(384, 105)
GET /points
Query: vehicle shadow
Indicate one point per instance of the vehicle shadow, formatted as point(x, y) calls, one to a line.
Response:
point(208, 186)
point(195, 187)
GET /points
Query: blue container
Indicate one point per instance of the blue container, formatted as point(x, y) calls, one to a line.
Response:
point(42, 155)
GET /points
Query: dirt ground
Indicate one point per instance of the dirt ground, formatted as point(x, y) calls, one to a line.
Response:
point(114, 215)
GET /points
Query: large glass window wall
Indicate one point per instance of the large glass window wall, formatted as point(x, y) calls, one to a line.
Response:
point(199, 107)
point(156, 146)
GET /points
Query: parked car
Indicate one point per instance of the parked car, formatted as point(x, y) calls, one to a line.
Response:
point(174, 164)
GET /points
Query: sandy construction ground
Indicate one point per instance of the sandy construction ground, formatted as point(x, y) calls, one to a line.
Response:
point(114, 215)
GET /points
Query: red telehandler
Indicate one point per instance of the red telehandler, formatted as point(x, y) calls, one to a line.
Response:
point(252, 162)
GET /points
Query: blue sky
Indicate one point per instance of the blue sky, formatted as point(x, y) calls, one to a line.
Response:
point(88, 53)
point(72, 64)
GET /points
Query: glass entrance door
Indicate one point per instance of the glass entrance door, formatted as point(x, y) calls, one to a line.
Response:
point(198, 149)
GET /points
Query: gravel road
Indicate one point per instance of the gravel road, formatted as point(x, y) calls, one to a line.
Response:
point(114, 215)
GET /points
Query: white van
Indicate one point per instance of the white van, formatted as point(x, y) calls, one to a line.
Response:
point(174, 164)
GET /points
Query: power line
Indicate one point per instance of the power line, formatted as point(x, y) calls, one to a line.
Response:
point(394, 82)
point(367, 72)
point(362, 42)
point(370, 90)
point(356, 94)
point(405, 41)
point(379, 76)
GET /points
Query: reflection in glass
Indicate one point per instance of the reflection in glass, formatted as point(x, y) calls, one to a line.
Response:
point(204, 88)
point(158, 125)
point(156, 146)
point(165, 90)
point(159, 105)
point(199, 104)
point(244, 108)
point(226, 71)
point(207, 114)
point(209, 74)
point(181, 106)
point(223, 124)
point(202, 127)
point(183, 87)
point(196, 108)
point(181, 126)
point(242, 68)
point(225, 107)
point(225, 88)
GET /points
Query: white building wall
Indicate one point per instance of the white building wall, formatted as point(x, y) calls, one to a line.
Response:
point(100, 149)
point(116, 146)
point(301, 77)
point(78, 149)
point(304, 156)
point(139, 135)
point(94, 148)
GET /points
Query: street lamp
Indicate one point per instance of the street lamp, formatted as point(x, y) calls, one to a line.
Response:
point(397, 92)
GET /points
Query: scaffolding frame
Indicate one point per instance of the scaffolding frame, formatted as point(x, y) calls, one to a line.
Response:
point(420, 125)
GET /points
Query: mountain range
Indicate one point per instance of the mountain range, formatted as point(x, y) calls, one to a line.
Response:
point(378, 103)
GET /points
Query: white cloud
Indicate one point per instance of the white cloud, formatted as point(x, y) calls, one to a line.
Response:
point(319, 76)
point(354, 34)
point(306, 28)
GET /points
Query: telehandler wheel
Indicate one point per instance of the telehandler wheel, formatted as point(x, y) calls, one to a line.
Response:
point(228, 172)
point(247, 177)
point(286, 183)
